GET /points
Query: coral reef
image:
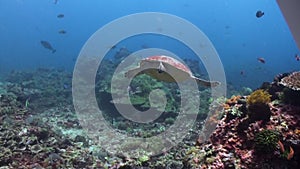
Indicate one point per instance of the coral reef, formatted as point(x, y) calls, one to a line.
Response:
point(291, 90)
point(259, 97)
point(284, 87)
point(291, 81)
point(39, 128)
point(266, 141)
point(43, 87)
point(239, 142)
point(258, 107)
point(27, 143)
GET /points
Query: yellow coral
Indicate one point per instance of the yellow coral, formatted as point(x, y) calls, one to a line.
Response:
point(259, 97)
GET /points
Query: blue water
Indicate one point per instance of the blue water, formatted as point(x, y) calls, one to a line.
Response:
point(231, 25)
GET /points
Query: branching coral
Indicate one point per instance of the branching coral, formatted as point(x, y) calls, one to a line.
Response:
point(266, 141)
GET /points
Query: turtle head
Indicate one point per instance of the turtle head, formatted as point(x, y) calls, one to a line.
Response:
point(161, 68)
point(160, 71)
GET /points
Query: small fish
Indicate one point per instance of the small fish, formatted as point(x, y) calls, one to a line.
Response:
point(259, 14)
point(60, 15)
point(297, 57)
point(144, 46)
point(55, 1)
point(66, 86)
point(62, 32)
point(47, 45)
point(261, 60)
point(242, 72)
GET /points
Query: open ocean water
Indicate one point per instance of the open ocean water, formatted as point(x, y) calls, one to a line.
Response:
point(232, 26)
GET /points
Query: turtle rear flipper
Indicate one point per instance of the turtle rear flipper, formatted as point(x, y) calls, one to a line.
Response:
point(207, 83)
point(132, 73)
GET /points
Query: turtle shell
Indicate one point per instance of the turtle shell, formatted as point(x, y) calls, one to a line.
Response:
point(171, 61)
point(167, 69)
point(174, 70)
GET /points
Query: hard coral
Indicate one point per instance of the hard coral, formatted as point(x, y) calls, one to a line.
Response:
point(233, 100)
point(258, 106)
point(259, 97)
point(291, 81)
point(266, 141)
point(291, 92)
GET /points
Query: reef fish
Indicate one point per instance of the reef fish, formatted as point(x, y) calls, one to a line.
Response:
point(261, 60)
point(259, 14)
point(242, 72)
point(62, 32)
point(297, 57)
point(47, 45)
point(60, 15)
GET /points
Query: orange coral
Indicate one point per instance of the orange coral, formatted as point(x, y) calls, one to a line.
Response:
point(297, 131)
point(259, 97)
point(233, 100)
point(226, 106)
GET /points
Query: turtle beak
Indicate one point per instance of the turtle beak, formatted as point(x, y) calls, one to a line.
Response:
point(161, 68)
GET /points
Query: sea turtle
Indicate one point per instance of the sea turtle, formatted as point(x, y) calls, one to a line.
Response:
point(164, 67)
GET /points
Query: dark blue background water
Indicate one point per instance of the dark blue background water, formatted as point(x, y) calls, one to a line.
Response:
point(238, 36)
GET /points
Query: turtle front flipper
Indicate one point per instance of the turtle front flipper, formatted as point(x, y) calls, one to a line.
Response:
point(133, 72)
point(207, 83)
